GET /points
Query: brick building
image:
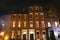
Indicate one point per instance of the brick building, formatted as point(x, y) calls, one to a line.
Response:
point(32, 25)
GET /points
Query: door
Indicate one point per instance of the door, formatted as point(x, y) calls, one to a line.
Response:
point(31, 34)
point(31, 37)
point(44, 36)
point(24, 36)
point(37, 35)
point(52, 37)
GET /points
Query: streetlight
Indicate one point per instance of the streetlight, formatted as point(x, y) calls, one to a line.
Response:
point(6, 37)
point(2, 34)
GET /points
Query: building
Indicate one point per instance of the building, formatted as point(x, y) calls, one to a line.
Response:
point(32, 25)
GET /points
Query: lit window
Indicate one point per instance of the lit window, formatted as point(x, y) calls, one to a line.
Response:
point(56, 24)
point(36, 15)
point(42, 24)
point(12, 35)
point(24, 23)
point(14, 23)
point(31, 23)
point(49, 24)
point(37, 23)
point(30, 15)
point(19, 23)
point(18, 32)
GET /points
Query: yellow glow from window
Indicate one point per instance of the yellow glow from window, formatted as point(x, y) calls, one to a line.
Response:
point(24, 23)
point(19, 24)
point(49, 24)
point(13, 23)
point(12, 36)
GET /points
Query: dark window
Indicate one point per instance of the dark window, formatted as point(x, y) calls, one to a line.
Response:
point(30, 16)
point(36, 16)
point(18, 37)
point(43, 32)
point(14, 17)
point(41, 16)
point(37, 34)
point(19, 17)
point(58, 35)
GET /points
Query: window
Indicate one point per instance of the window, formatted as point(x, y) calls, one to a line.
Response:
point(37, 23)
point(56, 24)
point(31, 23)
point(37, 34)
point(19, 16)
point(14, 16)
point(19, 23)
point(36, 8)
point(25, 23)
point(12, 35)
point(36, 15)
point(25, 16)
point(18, 32)
point(49, 24)
point(44, 35)
point(42, 24)
point(30, 8)
point(41, 14)
point(14, 23)
point(30, 16)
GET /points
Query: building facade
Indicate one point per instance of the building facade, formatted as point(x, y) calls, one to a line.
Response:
point(31, 25)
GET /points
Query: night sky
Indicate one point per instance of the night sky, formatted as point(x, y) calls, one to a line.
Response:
point(8, 6)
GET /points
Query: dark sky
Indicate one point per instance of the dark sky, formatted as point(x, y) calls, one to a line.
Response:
point(7, 6)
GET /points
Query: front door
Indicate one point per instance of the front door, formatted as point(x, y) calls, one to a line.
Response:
point(31, 34)
point(24, 36)
point(31, 37)
point(37, 35)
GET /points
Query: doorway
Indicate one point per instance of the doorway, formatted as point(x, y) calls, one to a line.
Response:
point(31, 34)
point(24, 34)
